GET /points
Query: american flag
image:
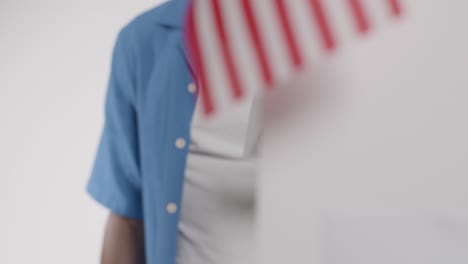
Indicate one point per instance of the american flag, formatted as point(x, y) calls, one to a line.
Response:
point(239, 48)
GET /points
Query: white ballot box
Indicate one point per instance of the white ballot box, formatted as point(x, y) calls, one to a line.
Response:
point(364, 158)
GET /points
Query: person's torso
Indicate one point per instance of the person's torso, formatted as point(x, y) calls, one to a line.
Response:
point(217, 223)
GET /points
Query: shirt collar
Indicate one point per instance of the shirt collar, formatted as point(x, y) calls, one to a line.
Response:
point(173, 13)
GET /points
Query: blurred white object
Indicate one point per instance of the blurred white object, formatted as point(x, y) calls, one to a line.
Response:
point(377, 133)
point(388, 237)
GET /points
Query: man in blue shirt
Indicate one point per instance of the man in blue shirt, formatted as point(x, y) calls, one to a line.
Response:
point(139, 168)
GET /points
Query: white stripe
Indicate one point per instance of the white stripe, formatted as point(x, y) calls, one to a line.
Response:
point(308, 35)
point(341, 20)
point(273, 38)
point(242, 48)
point(216, 73)
point(378, 13)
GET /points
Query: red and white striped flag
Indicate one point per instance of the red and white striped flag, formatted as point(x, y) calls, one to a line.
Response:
point(242, 47)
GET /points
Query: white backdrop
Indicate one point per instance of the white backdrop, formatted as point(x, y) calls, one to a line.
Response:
point(54, 64)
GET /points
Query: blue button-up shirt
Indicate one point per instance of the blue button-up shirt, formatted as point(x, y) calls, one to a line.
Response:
point(139, 168)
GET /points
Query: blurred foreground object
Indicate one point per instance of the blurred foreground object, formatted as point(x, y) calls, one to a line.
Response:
point(367, 160)
point(240, 48)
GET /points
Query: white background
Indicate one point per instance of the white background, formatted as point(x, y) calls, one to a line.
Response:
point(54, 64)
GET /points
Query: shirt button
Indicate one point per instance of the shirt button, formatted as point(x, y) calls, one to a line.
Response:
point(180, 143)
point(192, 87)
point(171, 208)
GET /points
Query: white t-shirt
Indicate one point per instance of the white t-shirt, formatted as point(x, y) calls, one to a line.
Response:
point(217, 216)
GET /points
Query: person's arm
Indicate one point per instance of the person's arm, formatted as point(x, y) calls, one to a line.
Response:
point(115, 180)
point(123, 241)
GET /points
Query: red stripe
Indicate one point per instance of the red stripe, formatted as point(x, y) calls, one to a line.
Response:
point(322, 22)
point(193, 40)
point(226, 49)
point(359, 15)
point(257, 41)
point(395, 7)
point(288, 33)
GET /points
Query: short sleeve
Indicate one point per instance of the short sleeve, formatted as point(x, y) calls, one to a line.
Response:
point(115, 180)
